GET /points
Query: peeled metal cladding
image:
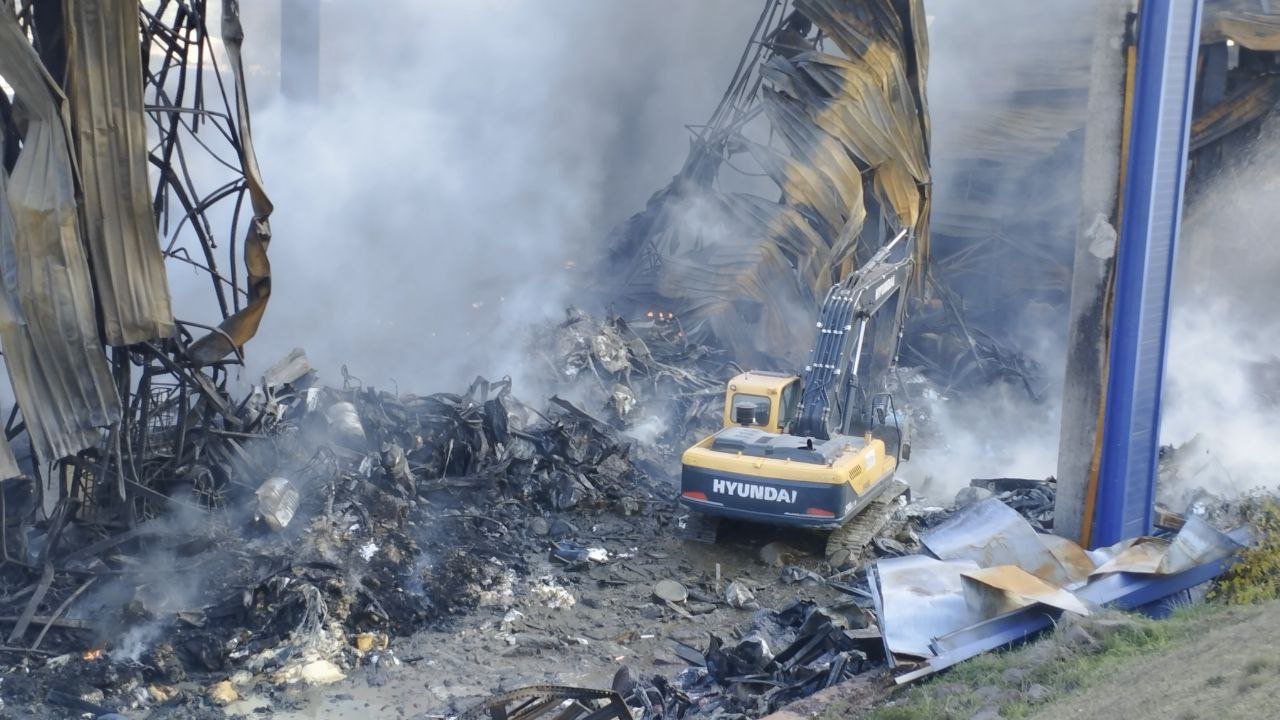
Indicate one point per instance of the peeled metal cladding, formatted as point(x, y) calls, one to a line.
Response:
point(48, 322)
point(105, 95)
point(841, 87)
point(82, 262)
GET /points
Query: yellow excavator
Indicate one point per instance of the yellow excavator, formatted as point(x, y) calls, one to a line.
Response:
point(816, 449)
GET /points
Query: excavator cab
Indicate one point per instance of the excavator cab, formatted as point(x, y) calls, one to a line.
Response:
point(763, 400)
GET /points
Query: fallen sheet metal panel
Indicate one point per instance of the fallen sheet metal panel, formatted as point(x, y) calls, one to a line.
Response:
point(1074, 559)
point(104, 89)
point(1003, 589)
point(1143, 555)
point(241, 326)
point(54, 357)
point(1197, 543)
point(1122, 590)
point(991, 533)
point(1128, 591)
point(920, 598)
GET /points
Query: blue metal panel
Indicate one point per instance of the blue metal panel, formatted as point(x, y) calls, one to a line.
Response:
point(1168, 40)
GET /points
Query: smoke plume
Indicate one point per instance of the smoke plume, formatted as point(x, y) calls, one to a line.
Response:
point(1223, 367)
point(465, 161)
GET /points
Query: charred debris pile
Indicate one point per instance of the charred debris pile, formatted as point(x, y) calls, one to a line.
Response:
point(314, 522)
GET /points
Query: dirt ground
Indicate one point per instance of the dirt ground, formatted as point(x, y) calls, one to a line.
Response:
point(614, 622)
point(1230, 671)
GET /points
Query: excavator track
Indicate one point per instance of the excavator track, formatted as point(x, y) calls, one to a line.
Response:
point(846, 545)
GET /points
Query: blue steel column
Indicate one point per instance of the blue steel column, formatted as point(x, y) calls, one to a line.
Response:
point(1168, 39)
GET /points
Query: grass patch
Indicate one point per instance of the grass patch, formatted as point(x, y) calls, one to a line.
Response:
point(1073, 656)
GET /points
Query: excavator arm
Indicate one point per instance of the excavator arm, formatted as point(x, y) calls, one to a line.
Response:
point(834, 394)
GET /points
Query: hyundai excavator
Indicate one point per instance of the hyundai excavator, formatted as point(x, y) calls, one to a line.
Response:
point(814, 450)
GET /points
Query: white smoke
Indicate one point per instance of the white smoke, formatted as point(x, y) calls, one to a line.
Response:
point(1221, 377)
point(464, 163)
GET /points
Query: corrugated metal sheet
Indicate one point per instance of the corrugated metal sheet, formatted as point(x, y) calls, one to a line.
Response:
point(48, 326)
point(104, 87)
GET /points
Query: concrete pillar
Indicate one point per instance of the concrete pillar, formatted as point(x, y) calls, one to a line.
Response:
point(1085, 379)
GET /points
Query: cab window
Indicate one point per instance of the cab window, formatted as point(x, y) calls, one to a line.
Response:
point(760, 402)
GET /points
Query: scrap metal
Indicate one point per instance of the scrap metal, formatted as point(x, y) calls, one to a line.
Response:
point(55, 361)
point(841, 86)
point(535, 701)
point(104, 90)
point(114, 421)
point(1005, 596)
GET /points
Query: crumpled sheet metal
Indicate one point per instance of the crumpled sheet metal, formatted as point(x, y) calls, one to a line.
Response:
point(1008, 603)
point(104, 88)
point(747, 270)
point(1005, 588)
point(991, 533)
point(241, 326)
point(866, 105)
point(48, 326)
point(920, 598)
point(1197, 543)
point(1074, 559)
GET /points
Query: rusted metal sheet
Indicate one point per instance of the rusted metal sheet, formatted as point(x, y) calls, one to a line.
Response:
point(240, 327)
point(1073, 557)
point(104, 88)
point(49, 330)
point(998, 590)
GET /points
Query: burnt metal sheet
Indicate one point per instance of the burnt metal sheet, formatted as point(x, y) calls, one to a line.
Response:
point(104, 89)
point(1197, 543)
point(991, 533)
point(1141, 556)
point(921, 598)
point(1005, 588)
point(563, 702)
point(1123, 590)
point(48, 326)
point(848, 134)
point(241, 326)
point(1074, 559)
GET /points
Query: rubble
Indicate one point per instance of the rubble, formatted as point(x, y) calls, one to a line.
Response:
point(223, 693)
point(738, 596)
